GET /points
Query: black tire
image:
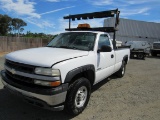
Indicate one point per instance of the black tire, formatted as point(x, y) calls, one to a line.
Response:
point(140, 56)
point(153, 54)
point(80, 90)
point(120, 73)
point(132, 56)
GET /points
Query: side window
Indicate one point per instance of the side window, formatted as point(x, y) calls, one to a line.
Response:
point(103, 40)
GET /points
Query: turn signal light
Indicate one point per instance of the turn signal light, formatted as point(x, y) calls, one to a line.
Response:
point(47, 83)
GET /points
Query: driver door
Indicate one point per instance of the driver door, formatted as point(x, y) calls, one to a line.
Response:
point(105, 60)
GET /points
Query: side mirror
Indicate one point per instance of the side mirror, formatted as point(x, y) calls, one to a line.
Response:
point(104, 48)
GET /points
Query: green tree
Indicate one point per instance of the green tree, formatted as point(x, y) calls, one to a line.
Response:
point(21, 29)
point(18, 24)
point(5, 24)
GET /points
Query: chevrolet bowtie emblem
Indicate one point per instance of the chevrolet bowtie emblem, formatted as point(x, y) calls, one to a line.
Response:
point(13, 71)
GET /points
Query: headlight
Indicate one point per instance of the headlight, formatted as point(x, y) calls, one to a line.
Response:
point(47, 71)
point(47, 83)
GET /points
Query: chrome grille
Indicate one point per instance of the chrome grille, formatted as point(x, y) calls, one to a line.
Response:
point(19, 66)
point(18, 77)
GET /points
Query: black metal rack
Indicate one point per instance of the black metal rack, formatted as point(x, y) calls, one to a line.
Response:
point(103, 29)
point(103, 14)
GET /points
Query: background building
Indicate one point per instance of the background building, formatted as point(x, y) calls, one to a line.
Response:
point(133, 30)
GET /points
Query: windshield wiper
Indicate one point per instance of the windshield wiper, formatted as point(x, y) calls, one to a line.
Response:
point(67, 47)
point(74, 48)
point(52, 46)
point(60, 47)
point(63, 47)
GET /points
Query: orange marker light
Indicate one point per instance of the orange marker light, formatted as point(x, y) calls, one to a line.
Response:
point(54, 84)
point(85, 25)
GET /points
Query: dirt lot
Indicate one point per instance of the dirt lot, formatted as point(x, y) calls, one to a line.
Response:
point(136, 96)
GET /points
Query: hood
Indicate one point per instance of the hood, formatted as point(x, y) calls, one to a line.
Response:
point(44, 56)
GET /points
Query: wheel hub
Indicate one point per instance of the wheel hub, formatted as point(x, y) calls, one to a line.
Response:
point(81, 96)
point(122, 70)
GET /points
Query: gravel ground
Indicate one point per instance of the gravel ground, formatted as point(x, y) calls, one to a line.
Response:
point(136, 96)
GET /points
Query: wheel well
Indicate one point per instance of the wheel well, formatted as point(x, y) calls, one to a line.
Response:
point(89, 74)
point(125, 59)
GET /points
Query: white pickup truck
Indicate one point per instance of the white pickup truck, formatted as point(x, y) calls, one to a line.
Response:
point(61, 75)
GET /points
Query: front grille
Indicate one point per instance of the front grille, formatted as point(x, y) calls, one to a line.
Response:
point(20, 67)
point(24, 81)
point(19, 78)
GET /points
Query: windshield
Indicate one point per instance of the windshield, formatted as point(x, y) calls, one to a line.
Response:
point(74, 40)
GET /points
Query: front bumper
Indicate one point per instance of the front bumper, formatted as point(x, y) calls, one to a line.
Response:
point(47, 98)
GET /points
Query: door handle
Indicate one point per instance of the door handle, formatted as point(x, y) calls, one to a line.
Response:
point(112, 56)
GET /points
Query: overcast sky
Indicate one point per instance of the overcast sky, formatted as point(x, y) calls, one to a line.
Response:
point(47, 15)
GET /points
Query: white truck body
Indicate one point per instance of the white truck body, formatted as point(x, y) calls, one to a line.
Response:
point(103, 62)
point(139, 45)
point(61, 75)
point(100, 65)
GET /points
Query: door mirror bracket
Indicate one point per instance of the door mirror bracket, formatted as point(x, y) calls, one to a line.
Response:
point(104, 48)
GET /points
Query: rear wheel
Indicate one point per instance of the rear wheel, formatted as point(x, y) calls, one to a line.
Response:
point(153, 54)
point(78, 96)
point(141, 56)
point(120, 73)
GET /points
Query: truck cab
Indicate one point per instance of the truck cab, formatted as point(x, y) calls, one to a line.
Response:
point(155, 48)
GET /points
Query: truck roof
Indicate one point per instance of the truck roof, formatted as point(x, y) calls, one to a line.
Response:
point(87, 31)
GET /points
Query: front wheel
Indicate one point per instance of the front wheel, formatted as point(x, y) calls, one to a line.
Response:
point(153, 54)
point(78, 96)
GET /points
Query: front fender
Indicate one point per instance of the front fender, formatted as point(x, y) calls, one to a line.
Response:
point(78, 70)
point(76, 65)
